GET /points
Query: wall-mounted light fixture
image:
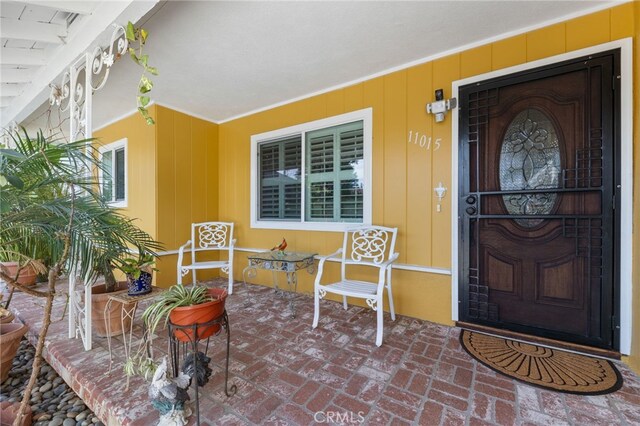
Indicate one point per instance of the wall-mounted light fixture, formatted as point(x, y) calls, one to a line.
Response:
point(441, 105)
point(440, 191)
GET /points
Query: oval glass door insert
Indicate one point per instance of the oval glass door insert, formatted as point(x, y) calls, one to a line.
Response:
point(529, 159)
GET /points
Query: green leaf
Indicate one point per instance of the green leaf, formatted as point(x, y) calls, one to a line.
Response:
point(130, 32)
point(133, 55)
point(152, 70)
point(145, 84)
point(144, 100)
point(12, 154)
point(143, 35)
point(15, 181)
point(143, 60)
point(145, 113)
point(3, 181)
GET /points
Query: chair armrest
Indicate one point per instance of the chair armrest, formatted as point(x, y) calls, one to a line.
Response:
point(181, 252)
point(384, 268)
point(323, 259)
point(388, 263)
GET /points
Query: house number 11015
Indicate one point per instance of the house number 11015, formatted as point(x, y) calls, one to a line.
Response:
point(423, 141)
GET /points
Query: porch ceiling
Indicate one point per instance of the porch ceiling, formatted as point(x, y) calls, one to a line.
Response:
point(220, 60)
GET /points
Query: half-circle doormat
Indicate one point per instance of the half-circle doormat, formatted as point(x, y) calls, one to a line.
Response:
point(541, 366)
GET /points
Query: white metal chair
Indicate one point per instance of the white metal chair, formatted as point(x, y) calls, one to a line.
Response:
point(208, 236)
point(371, 246)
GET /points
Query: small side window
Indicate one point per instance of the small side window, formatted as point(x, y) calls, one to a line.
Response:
point(113, 175)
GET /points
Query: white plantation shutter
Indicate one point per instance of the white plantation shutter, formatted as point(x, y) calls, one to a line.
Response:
point(334, 167)
point(313, 176)
point(280, 186)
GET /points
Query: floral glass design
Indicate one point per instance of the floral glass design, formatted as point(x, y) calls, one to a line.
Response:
point(530, 159)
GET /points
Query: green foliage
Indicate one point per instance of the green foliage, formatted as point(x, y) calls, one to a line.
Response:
point(142, 365)
point(133, 267)
point(57, 200)
point(176, 296)
point(139, 36)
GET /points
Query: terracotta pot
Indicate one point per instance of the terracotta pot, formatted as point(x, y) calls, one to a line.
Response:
point(10, 335)
point(199, 314)
point(27, 275)
point(99, 299)
point(9, 411)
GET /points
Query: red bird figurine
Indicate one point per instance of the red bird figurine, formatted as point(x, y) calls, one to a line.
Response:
point(282, 246)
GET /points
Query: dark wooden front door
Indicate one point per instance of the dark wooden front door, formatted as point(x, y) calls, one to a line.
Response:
point(537, 207)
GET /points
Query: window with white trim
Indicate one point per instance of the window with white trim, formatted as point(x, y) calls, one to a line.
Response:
point(313, 176)
point(113, 175)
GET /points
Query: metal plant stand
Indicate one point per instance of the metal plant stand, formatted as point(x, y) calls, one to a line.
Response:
point(176, 347)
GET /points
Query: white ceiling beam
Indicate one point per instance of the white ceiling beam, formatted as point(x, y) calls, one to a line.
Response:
point(11, 89)
point(15, 75)
point(79, 7)
point(26, 57)
point(93, 30)
point(35, 31)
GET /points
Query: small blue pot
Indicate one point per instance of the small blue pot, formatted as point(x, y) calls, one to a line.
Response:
point(139, 286)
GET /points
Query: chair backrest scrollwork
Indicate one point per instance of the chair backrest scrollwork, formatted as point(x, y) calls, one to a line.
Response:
point(212, 235)
point(369, 245)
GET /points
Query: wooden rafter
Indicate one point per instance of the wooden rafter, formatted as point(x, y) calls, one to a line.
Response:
point(11, 89)
point(79, 7)
point(35, 31)
point(15, 75)
point(12, 56)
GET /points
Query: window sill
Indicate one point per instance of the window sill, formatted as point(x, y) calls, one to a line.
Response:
point(308, 226)
point(118, 204)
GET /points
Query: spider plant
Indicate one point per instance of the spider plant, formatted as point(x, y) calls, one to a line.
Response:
point(177, 296)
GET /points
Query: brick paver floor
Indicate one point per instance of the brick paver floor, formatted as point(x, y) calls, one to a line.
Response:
point(289, 374)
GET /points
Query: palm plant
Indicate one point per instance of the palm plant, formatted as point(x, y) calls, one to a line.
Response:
point(50, 206)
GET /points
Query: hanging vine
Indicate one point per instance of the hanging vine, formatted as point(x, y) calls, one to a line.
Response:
point(139, 36)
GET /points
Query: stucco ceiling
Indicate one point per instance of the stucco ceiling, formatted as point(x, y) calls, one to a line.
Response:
point(219, 60)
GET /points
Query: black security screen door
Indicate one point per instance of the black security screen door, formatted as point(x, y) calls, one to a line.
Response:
point(538, 228)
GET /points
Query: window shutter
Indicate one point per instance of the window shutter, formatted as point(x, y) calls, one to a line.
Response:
point(107, 172)
point(321, 154)
point(321, 200)
point(351, 148)
point(280, 165)
point(119, 174)
point(335, 169)
point(351, 172)
point(269, 202)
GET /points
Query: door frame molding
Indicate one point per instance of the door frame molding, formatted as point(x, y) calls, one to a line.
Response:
point(626, 174)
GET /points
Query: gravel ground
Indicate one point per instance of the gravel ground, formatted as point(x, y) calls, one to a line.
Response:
point(53, 403)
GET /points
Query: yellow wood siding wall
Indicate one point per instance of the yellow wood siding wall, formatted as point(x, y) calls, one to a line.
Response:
point(141, 159)
point(404, 174)
point(172, 172)
point(187, 183)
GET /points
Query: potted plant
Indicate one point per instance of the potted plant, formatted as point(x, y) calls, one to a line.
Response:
point(10, 336)
point(100, 295)
point(139, 273)
point(48, 201)
point(186, 306)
